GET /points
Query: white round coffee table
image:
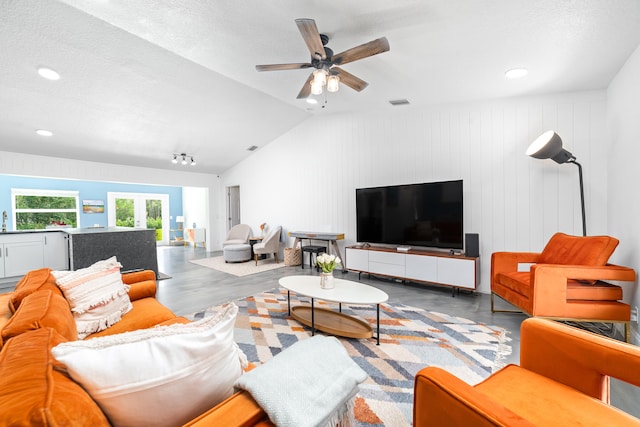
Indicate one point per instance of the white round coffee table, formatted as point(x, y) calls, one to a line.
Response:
point(330, 321)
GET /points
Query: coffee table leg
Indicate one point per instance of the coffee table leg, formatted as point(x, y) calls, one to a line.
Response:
point(378, 321)
point(313, 324)
point(289, 301)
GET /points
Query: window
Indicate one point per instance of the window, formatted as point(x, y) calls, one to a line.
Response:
point(37, 209)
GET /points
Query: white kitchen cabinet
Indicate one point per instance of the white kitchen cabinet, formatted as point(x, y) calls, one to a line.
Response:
point(21, 253)
point(56, 250)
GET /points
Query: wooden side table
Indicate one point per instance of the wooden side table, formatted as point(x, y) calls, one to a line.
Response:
point(252, 241)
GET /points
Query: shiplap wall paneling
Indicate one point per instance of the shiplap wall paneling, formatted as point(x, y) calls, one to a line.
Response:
point(514, 202)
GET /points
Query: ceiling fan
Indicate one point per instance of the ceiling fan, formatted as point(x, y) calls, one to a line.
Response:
point(325, 62)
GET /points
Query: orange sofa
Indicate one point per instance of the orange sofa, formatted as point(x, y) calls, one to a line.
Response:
point(565, 282)
point(562, 380)
point(34, 390)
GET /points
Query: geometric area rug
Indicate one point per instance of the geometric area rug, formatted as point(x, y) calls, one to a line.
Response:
point(411, 339)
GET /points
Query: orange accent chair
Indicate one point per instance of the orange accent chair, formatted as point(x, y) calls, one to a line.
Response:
point(562, 380)
point(565, 281)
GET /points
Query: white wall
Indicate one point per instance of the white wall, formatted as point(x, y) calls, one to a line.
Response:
point(205, 212)
point(306, 179)
point(623, 102)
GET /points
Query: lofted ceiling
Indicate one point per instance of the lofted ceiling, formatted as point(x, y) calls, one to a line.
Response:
point(142, 79)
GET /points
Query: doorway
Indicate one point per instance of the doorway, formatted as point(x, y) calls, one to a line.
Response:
point(233, 206)
point(140, 210)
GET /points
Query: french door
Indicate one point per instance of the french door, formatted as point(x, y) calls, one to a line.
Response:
point(140, 210)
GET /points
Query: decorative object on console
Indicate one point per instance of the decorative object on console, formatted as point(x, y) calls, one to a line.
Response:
point(549, 146)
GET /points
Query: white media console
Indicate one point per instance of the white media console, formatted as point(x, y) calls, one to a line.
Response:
point(457, 271)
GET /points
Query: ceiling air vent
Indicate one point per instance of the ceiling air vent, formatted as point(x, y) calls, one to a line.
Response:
point(396, 102)
point(253, 148)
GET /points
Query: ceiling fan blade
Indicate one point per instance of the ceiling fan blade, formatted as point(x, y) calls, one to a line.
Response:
point(277, 67)
point(306, 89)
point(311, 37)
point(349, 79)
point(374, 47)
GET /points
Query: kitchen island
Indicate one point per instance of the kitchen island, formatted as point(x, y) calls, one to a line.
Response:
point(135, 248)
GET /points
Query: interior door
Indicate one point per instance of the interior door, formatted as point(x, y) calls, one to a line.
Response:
point(233, 206)
point(140, 210)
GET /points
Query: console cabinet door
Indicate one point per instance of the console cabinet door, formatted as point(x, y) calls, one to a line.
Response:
point(421, 267)
point(457, 272)
point(357, 259)
point(387, 263)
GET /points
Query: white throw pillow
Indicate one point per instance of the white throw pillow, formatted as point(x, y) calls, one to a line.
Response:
point(96, 294)
point(162, 376)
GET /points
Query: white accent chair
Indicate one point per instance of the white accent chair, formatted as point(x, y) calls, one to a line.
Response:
point(238, 235)
point(269, 245)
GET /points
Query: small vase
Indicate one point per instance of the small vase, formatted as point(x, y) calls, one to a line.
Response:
point(326, 280)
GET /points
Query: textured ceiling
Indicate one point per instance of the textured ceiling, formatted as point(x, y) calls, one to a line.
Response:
point(143, 79)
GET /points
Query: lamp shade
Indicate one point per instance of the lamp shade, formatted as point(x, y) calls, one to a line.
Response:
point(549, 146)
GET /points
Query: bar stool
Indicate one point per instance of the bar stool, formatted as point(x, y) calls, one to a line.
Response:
point(312, 249)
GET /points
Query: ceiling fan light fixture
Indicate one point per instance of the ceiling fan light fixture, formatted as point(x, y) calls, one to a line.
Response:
point(175, 159)
point(316, 88)
point(193, 162)
point(333, 84)
point(320, 77)
point(312, 101)
point(44, 132)
point(184, 159)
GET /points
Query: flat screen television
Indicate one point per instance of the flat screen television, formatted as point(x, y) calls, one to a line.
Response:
point(425, 215)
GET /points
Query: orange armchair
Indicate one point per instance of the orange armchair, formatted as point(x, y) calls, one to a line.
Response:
point(565, 281)
point(563, 379)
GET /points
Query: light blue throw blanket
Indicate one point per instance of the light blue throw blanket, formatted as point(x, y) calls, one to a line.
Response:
point(312, 383)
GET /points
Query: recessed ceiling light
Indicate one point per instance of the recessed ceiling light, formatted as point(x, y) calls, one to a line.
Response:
point(312, 101)
point(516, 73)
point(48, 73)
point(43, 132)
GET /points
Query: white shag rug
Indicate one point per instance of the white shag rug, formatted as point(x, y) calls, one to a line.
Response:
point(238, 268)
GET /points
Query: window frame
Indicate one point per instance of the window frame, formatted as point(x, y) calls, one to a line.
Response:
point(43, 193)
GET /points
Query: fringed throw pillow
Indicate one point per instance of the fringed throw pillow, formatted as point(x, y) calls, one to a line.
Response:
point(97, 296)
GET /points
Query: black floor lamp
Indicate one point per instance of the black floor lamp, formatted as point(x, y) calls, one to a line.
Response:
point(549, 146)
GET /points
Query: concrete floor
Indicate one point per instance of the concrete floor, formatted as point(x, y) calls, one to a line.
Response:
point(193, 288)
